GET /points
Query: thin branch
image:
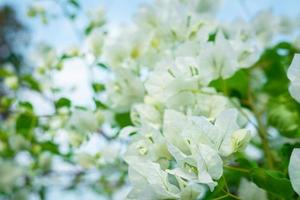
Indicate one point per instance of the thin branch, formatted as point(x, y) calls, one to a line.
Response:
point(236, 169)
point(262, 132)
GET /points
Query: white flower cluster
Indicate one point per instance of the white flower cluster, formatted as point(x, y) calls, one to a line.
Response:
point(175, 47)
point(162, 67)
point(177, 157)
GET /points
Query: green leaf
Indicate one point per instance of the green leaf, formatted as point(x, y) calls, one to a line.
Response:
point(274, 62)
point(102, 65)
point(98, 87)
point(89, 29)
point(100, 105)
point(273, 182)
point(123, 119)
point(4, 73)
point(63, 102)
point(283, 114)
point(26, 122)
point(30, 82)
point(236, 86)
point(27, 105)
point(75, 3)
point(50, 146)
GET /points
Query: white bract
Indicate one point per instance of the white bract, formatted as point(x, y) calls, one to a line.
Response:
point(294, 76)
point(294, 170)
point(124, 90)
point(85, 120)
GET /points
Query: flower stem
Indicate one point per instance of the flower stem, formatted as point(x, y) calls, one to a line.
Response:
point(262, 132)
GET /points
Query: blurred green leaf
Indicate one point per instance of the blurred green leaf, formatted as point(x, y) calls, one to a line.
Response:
point(273, 182)
point(100, 105)
point(30, 82)
point(75, 3)
point(102, 65)
point(236, 86)
point(123, 119)
point(27, 105)
point(4, 73)
point(98, 87)
point(26, 122)
point(50, 146)
point(283, 114)
point(63, 102)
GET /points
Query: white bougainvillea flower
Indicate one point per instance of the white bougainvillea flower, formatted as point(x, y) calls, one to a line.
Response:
point(218, 58)
point(209, 164)
point(229, 138)
point(173, 125)
point(204, 165)
point(124, 90)
point(149, 176)
point(85, 160)
point(265, 25)
point(174, 83)
point(294, 170)
point(151, 182)
point(163, 84)
point(294, 76)
point(85, 120)
point(95, 42)
point(131, 46)
point(224, 135)
point(10, 173)
point(195, 142)
point(209, 104)
point(247, 52)
point(145, 114)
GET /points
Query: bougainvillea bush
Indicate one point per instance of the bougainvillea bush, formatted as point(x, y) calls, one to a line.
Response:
point(185, 105)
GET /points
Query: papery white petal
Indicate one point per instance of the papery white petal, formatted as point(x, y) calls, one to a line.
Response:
point(174, 123)
point(209, 165)
point(155, 177)
point(294, 76)
point(294, 69)
point(295, 90)
point(294, 170)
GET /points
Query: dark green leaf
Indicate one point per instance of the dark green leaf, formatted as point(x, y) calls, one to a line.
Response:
point(102, 65)
point(100, 105)
point(26, 122)
point(50, 146)
point(236, 86)
point(123, 119)
point(27, 105)
point(98, 87)
point(273, 182)
point(4, 73)
point(30, 82)
point(62, 102)
point(75, 3)
point(89, 29)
